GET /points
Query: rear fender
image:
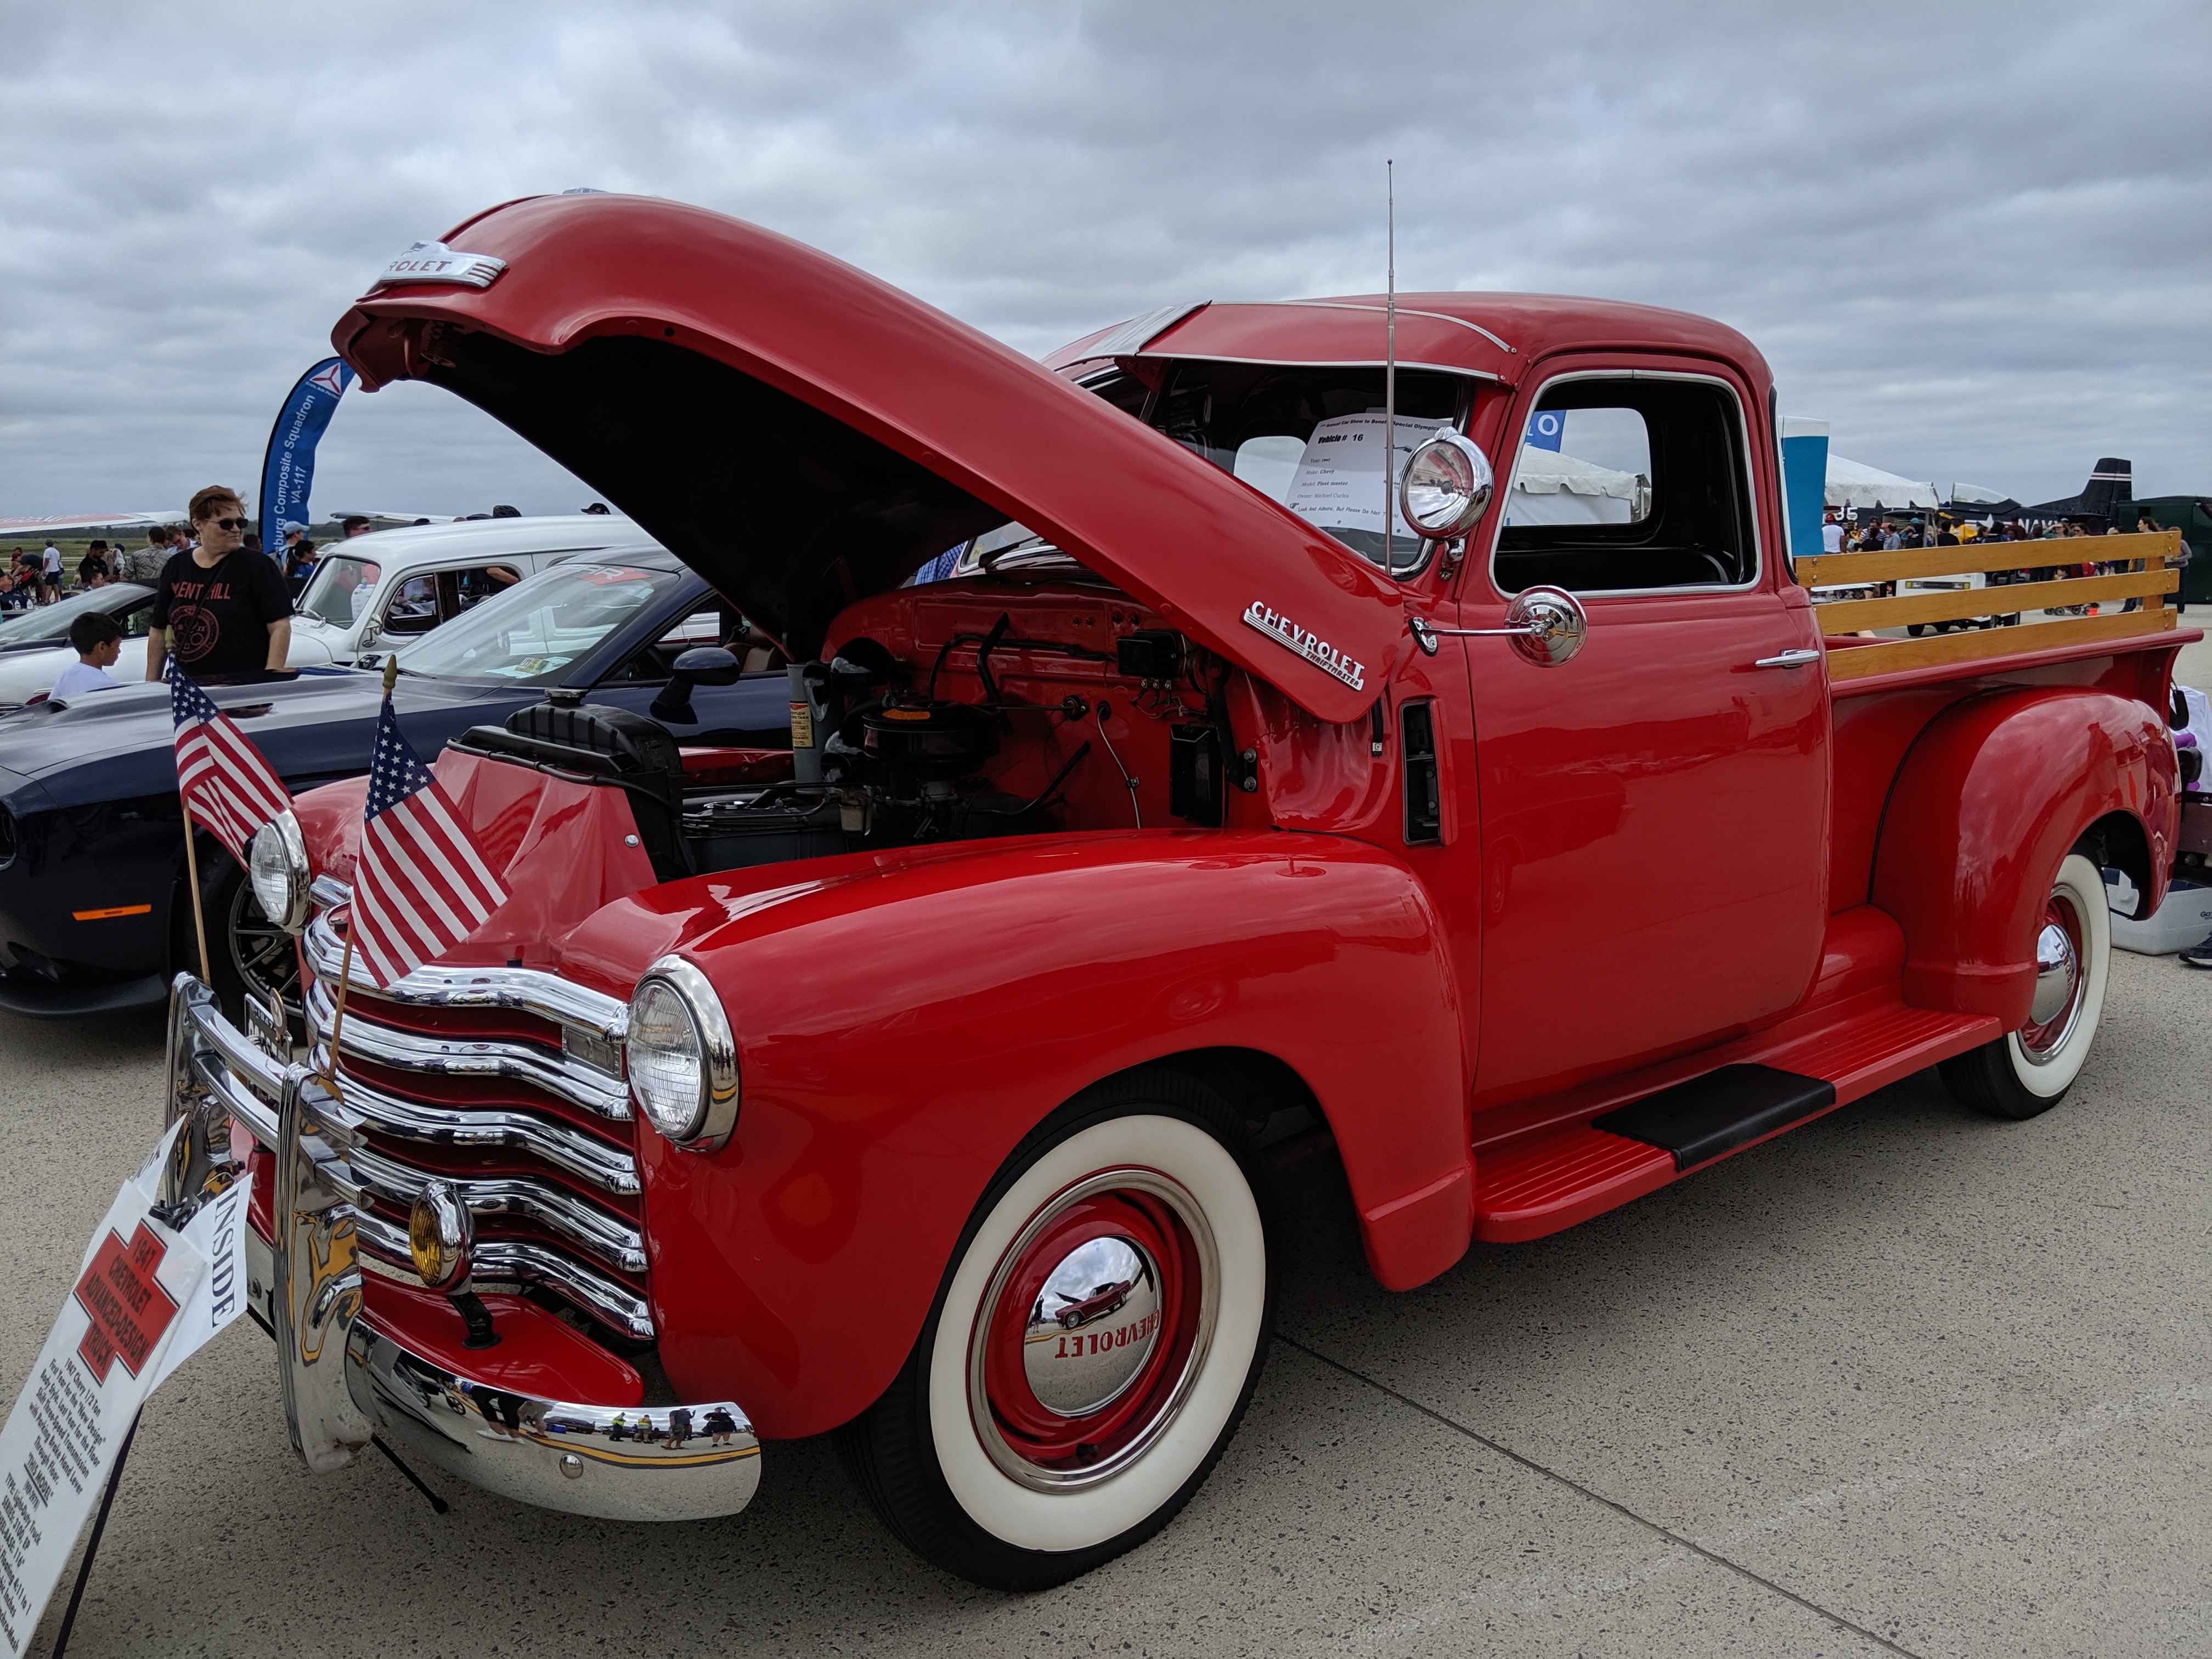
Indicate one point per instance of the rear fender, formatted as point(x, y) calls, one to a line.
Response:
point(903, 1019)
point(1987, 803)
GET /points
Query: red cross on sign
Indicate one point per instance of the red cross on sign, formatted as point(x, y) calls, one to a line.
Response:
point(128, 1308)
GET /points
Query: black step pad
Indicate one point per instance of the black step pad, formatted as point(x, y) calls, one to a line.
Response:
point(1700, 1120)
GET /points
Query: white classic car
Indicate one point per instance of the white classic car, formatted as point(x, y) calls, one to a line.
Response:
point(366, 595)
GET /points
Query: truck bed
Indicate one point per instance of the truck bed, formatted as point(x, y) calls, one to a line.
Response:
point(1887, 691)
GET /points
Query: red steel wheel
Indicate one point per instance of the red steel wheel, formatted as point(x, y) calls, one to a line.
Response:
point(1098, 1332)
point(1092, 1328)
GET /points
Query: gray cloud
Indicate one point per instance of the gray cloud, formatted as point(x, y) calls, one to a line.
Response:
point(1974, 237)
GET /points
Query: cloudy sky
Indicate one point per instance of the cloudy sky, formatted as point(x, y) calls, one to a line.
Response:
point(1974, 237)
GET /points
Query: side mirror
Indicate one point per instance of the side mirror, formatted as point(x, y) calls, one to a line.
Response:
point(370, 632)
point(704, 665)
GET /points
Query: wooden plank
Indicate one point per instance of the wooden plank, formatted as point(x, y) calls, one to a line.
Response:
point(1850, 616)
point(1888, 656)
point(1827, 569)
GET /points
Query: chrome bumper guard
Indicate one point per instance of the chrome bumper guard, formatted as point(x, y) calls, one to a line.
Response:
point(344, 1381)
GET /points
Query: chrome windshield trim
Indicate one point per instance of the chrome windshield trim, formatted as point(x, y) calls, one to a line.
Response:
point(582, 1223)
point(525, 990)
point(565, 1147)
point(497, 1259)
point(582, 1085)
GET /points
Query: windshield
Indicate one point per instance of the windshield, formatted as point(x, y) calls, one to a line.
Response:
point(528, 634)
point(341, 590)
point(1312, 438)
point(52, 622)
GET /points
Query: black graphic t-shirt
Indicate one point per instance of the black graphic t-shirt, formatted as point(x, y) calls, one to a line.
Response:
point(218, 620)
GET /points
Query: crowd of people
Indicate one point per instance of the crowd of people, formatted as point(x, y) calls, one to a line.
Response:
point(35, 576)
point(1889, 531)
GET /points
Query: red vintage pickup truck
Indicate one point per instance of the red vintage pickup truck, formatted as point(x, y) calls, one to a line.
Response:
point(1527, 843)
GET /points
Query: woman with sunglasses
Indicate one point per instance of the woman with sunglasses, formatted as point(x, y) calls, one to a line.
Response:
point(224, 612)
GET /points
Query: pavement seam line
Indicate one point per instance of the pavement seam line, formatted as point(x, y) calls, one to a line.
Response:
point(1576, 1486)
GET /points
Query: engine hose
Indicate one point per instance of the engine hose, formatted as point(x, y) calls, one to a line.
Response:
point(1135, 811)
point(1058, 778)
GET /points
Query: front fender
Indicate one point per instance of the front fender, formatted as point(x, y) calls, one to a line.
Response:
point(1989, 801)
point(904, 1018)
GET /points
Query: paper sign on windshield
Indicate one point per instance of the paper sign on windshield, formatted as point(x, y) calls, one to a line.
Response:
point(1338, 484)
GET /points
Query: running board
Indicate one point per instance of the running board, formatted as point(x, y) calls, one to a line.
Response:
point(1700, 1120)
point(1551, 1176)
point(1553, 1180)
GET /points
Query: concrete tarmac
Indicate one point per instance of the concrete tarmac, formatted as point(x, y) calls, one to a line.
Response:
point(1908, 1380)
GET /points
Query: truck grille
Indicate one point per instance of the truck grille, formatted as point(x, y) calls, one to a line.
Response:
point(506, 1082)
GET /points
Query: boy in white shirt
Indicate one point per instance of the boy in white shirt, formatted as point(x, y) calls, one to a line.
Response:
point(99, 643)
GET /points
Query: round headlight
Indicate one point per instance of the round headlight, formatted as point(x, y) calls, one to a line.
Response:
point(276, 864)
point(1447, 485)
point(683, 1060)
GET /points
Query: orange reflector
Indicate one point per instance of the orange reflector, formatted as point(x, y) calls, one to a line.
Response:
point(115, 910)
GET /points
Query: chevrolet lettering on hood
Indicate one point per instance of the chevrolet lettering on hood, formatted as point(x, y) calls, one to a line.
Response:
point(433, 262)
point(1317, 651)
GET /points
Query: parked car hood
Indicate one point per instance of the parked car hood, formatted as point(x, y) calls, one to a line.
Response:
point(803, 434)
point(42, 740)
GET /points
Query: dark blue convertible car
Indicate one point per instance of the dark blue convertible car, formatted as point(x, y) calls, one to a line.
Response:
point(94, 913)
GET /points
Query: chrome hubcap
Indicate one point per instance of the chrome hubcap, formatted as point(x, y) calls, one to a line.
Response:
point(2057, 969)
point(1092, 1328)
point(2056, 1005)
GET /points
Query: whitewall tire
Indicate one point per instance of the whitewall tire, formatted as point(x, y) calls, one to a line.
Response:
point(2027, 1071)
point(1093, 1345)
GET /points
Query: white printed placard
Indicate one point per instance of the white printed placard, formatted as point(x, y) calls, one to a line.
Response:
point(1339, 483)
point(146, 1299)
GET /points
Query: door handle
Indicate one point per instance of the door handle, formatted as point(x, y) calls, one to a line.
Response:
point(1798, 658)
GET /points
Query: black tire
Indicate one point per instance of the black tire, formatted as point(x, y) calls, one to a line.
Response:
point(248, 955)
point(950, 1474)
point(1915, 629)
point(2025, 1074)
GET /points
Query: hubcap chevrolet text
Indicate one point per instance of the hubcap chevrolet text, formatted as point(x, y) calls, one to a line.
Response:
point(1094, 1329)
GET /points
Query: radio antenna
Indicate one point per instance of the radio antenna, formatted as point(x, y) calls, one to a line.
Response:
point(1389, 358)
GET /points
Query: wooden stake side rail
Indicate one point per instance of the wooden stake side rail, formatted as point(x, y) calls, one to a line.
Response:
point(1962, 604)
point(1829, 569)
point(1856, 662)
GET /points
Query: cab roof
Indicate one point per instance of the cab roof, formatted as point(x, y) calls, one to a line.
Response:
point(1497, 335)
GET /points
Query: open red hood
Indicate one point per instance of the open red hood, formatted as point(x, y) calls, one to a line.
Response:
point(802, 434)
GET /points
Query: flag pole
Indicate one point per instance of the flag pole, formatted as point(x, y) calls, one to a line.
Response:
point(192, 870)
point(345, 964)
point(337, 1014)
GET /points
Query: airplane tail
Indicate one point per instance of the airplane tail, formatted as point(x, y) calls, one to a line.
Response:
point(2110, 484)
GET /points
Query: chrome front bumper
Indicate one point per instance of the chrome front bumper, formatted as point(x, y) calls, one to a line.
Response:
point(345, 1379)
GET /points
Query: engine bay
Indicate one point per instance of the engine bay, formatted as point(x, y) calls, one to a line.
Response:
point(964, 709)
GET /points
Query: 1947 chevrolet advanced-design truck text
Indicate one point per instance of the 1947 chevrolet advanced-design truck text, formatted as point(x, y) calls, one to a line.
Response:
point(916, 1083)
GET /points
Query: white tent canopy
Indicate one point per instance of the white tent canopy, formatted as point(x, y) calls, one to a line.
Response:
point(1852, 483)
point(1550, 488)
point(51, 527)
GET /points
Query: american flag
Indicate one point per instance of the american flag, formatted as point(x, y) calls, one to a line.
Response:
point(226, 783)
point(419, 885)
